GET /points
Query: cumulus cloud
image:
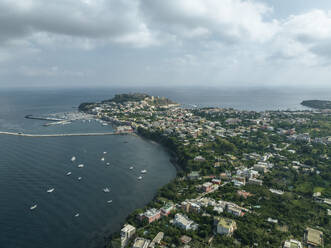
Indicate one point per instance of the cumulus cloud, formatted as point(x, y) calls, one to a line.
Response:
point(233, 40)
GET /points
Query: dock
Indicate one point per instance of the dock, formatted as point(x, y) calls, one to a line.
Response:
point(64, 134)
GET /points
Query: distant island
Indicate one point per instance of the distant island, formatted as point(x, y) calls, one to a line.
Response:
point(317, 104)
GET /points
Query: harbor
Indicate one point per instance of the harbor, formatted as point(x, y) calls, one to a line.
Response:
point(63, 134)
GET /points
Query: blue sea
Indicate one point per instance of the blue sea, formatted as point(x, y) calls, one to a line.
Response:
point(29, 166)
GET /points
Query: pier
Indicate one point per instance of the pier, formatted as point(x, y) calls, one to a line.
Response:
point(64, 134)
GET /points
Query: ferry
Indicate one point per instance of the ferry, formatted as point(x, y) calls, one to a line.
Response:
point(110, 201)
point(33, 207)
point(69, 173)
point(73, 159)
point(143, 171)
point(76, 215)
point(50, 190)
point(80, 166)
point(139, 178)
point(106, 190)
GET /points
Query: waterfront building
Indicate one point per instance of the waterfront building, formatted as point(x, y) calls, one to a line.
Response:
point(126, 233)
point(167, 208)
point(151, 215)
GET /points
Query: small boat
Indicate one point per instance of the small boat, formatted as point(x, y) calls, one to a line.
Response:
point(77, 215)
point(104, 152)
point(80, 166)
point(33, 207)
point(73, 159)
point(69, 173)
point(50, 190)
point(131, 168)
point(110, 201)
point(102, 159)
point(143, 171)
point(108, 163)
point(79, 178)
point(139, 178)
point(106, 190)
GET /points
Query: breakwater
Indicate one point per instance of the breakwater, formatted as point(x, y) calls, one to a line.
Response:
point(64, 134)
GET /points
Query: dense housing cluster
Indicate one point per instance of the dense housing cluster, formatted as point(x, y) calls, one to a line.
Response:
point(245, 178)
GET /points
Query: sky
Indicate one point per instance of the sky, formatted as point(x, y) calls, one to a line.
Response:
point(168, 43)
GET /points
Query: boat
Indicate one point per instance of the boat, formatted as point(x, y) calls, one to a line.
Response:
point(33, 207)
point(50, 190)
point(104, 152)
point(76, 215)
point(106, 190)
point(69, 173)
point(143, 171)
point(139, 178)
point(102, 159)
point(80, 166)
point(110, 201)
point(79, 178)
point(73, 159)
point(108, 163)
point(131, 168)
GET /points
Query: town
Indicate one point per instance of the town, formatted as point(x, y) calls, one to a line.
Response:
point(244, 178)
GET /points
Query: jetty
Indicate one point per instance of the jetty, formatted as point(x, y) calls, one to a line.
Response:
point(64, 134)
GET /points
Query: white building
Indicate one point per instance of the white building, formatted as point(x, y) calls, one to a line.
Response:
point(126, 233)
point(185, 223)
point(141, 243)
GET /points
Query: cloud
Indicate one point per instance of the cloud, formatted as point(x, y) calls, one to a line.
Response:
point(113, 21)
point(183, 40)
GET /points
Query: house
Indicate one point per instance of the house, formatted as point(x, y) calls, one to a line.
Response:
point(292, 244)
point(313, 238)
point(185, 239)
point(193, 175)
point(243, 194)
point(184, 222)
point(151, 215)
point(235, 210)
point(157, 240)
point(226, 226)
point(167, 208)
point(255, 181)
point(141, 243)
point(126, 233)
point(207, 187)
point(189, 206)
point(199, 159)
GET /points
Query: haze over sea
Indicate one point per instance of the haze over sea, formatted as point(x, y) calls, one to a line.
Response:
point(30, 166)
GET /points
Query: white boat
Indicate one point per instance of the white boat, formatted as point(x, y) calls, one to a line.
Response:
point(143, 171)
point(69, 173)
point(73, 159)
point(110, 201)
point(139, 178)
point(50, 190)
point(76, 215)
point(131, 168)
point(106, 190)
point(79, 178)
point(104, 152)
point(102, 159)
point(33, 207)
point(80, 166)
point(108, 163)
